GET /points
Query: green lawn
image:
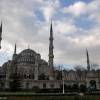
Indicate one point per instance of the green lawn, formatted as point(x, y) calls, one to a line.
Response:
point(52, 98)
point(31, 96)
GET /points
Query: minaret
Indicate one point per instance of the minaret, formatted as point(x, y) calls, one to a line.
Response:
point(36, 72)
point(14, 55)
point(88, 61)
point(51, 55)
point(13, 63)
point(0, 34)
point(15, 49)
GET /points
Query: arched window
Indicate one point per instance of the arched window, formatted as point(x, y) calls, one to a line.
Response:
point(25, 76)
point(33, 76)
point(75, 87)
point(83, 88)
point(93, 85)
point(29, 76)
point(52, 85)
point(44, 85)
point(27, 85)
point(42, 76)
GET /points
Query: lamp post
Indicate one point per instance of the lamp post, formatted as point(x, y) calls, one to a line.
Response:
point(63, 81)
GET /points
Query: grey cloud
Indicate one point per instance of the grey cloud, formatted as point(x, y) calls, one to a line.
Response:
point(21, 25)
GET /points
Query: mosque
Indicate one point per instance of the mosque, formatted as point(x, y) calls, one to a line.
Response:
point(36, 72)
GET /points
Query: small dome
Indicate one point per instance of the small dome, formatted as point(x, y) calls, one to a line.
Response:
point(27, 56)
point(4, 67)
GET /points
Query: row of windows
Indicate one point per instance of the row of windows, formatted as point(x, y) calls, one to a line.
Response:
point(23, 63)
point(25, 54)
point(40, 77)
point(44, 85)
point(26, 76)
point(2, 76)
point(51, 85)
point(23, 59)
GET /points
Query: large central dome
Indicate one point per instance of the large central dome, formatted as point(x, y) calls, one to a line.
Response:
point(27, 56)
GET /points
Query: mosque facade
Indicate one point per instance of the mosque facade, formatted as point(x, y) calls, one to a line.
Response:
point(33, 71)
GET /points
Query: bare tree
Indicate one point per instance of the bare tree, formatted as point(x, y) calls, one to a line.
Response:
point(79, 71)
point(94, 66)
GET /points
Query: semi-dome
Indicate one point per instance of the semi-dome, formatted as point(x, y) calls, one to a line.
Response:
point(27, 56)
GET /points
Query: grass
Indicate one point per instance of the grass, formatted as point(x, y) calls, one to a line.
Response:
point(32, 96)
point(52, 98)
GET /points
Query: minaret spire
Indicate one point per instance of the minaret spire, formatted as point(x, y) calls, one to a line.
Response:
point(51, 30)
point(15, 54)
point(51, 47)
point(15, 49)
point(88, 60)
point(51, 55)
point(0, 34)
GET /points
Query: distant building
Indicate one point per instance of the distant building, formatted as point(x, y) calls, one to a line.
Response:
point(36, 72)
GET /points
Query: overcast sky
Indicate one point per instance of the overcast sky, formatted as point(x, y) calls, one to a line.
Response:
point(76, 26)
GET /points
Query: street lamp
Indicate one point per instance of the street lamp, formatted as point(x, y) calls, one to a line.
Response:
point(63, 81)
